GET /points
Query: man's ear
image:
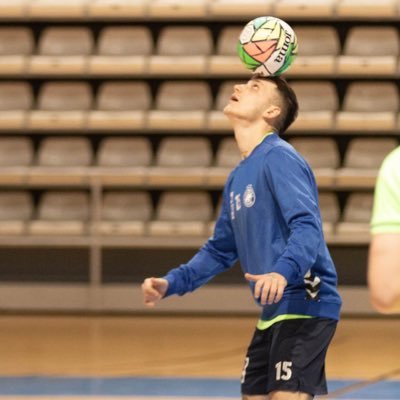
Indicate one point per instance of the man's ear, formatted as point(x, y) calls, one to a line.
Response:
point(272, 112)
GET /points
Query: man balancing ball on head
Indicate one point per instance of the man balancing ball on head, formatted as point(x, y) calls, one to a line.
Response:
point(270, 221)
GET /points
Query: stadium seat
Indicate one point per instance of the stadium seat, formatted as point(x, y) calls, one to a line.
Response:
point(16, 45)
point(180, 106)
point(120, 9)
point(123, 161)
point(370, 51)
point(62, 51)
point(16, 99)
point(120, 106)
point(318, 103)
point(181, 162)
point(362, 161)
point(122, 50)
point(61, 212)
point(182, 214)
point(366, 8)
point(227, 158)
point(304, 8)
point(62, 160)
point(226, 61)
point(239, 9)
point(323, 156)
point(355, 223)
point(176, 54)
point(125, 213)
point(62, 106)
point(16, 155)
point(319, 47)
point(330, 213)
point(369, 106)
point(177, 9)
point(49, 9)
point(13, 9)
point(216, 120)
point(16, 209)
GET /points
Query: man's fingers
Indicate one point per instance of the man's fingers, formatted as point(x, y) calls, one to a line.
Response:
point(153, 290)
point(272, 291)
point(266, 291)
point(258, 288)
point(148, 287)
point(251, 277)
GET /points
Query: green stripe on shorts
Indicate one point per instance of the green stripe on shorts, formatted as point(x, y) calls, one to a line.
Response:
point(262, 325)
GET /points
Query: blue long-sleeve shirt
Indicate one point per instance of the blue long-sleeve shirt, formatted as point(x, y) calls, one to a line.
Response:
point(270, 220)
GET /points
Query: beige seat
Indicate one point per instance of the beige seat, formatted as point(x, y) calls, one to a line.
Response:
point(228, 156)
point(120, 9)
point(62, 106)
point(304, 8)
point(122, 51)
point(62, 160)
point(226, 61)
point(178, 9)
point(180, 106)
point(323, 156)
point(355, 224)
point(240, 9)
point(62, 51)
point(366, 8)
point(16, 209)
point(176, 54)
point(330, 213)
point(318, 103)
point(16, 45)
point(216, 120)
point(49, 9)
point(123, 161)
point(182, 213)
point(14, 9)
point(15, 100)
point(370, 51)
point(181, 162)
point(16, 155)
point(362, 160)
point(63, 213)
point(120, 106)
point(319, 47)
point(15, 151)
point(125, 213)
point(369, 106)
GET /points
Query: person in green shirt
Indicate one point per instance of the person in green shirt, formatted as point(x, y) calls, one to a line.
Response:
point(384, 253)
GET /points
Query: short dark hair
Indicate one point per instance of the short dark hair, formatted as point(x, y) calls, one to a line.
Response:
point(289, 99)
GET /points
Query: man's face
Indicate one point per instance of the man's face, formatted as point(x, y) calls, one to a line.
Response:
point(251, 100)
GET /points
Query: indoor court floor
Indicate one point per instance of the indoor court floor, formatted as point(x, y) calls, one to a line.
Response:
point(156, 357)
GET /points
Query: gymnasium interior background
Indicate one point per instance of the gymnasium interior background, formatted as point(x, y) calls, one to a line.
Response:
point(114, 149)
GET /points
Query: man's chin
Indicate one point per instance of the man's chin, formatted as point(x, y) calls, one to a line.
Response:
point(228, 111)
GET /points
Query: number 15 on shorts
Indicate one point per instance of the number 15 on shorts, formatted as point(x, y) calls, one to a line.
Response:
point(283, 370)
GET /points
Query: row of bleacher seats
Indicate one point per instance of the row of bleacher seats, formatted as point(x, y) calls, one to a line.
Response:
point(131, 51)
point(178, 161)
point(187, 105)
point(184, 213)
point(176, 9)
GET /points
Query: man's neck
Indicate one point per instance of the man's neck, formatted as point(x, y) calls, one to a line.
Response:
point(249, 137)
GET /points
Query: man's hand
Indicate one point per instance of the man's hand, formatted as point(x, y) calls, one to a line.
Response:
point(154, 290)
point(268, 287)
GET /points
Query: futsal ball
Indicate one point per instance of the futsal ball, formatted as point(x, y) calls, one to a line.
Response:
point(267, 45)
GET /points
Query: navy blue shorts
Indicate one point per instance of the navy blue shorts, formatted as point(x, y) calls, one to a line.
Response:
point(288, 356)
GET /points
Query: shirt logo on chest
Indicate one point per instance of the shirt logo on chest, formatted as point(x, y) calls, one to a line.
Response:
point(249, 196)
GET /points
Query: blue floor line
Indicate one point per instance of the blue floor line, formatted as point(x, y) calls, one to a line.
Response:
point(179, 387)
